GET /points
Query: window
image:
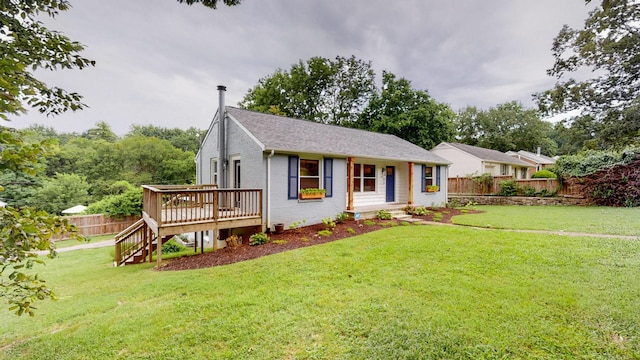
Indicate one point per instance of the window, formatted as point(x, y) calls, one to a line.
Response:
point(214, 171)
point(309, 174)
point(364, 178)
point(427, 177)
point(306, 173)
point(504, 169)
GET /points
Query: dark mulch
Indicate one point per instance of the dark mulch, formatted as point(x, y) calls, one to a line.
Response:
point(294, 239)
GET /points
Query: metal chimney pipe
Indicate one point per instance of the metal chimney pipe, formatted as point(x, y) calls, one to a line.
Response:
point(538, 150)
point(222, 139)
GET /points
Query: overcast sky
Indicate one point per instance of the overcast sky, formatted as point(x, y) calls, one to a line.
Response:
point(159, 62)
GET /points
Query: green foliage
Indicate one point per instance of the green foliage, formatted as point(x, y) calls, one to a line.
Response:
point(484, 181)
point(311, 191)
point(507, 126)
point(26, 46)
point(341, 217)
point(62, 192)
point(351, 231)
point(369, 222)
point(22, 231)
point(211, 3)
point(329, 224)
point(508, 188)
point(258, 239)
point(320, 89)
point(297, 224)
point(592, 161)
point(325, 233)
point(437, 217)
point(418, 211)
point(185, 140)
point(384, 215)
point(543, 174)
point(607, 47)
point(407, 113)
point(172, 246)
point(125, 204)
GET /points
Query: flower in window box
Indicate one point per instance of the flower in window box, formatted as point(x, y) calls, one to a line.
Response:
point(432, 188)
point(312, 193)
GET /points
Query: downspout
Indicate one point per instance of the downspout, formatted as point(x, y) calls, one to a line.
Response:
point(268, 195)
point(222, 139)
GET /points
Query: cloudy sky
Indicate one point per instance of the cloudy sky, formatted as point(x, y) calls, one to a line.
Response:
point(159, 62)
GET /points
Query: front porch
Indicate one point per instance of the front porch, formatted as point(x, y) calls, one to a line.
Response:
point(169, 210)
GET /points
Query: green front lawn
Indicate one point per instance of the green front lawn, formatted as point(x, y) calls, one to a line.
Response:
point(583, 219)
point(403, 292)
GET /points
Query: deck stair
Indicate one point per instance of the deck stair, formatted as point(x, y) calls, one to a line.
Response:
point(136, 243)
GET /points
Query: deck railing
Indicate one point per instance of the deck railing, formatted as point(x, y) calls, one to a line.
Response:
point(175, 204)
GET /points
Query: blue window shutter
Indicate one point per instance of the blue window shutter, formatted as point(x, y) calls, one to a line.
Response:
point(328, 177)
point(293, 177)
point(422, 175)
point(438, 177)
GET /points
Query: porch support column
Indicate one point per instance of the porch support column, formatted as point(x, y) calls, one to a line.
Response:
point(350, 183)
point(410, 195)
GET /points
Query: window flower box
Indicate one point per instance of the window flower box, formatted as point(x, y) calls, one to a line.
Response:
point(432, 188)
point(311, 194)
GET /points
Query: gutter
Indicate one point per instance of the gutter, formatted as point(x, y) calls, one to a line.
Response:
point(268, 195)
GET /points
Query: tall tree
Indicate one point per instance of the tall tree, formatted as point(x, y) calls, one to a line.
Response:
point(102, 131)
point(508, 126)
point(320, 89)
point(410, 114)
point(609, 47)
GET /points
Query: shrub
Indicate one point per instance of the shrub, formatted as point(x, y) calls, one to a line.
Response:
point(341, 217)
point(543, 174)
point(593, 161)
point(325, 233)
point(171, 246)
point(421, 211)
point(258, 239)
point(351, 231)
point(329, 223)
point(297, 224)
point(369, 222)
point(384, 215)
point(485, 181)
point(233, 241)
point(508, 188)
point(125, 204)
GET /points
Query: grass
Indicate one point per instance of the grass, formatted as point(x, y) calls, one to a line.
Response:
point(90, 239)
point(591, 219)
point(401, 292)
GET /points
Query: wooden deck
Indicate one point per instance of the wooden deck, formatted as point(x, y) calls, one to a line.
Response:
point(170, 210)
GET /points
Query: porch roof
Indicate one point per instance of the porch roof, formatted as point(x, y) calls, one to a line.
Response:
point(283, 134)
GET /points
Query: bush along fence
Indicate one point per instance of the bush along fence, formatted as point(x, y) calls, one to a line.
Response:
point(99, 224)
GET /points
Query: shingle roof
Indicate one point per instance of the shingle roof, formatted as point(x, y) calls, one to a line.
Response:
point(539, 159)
point(285, 134)
point(489, 154)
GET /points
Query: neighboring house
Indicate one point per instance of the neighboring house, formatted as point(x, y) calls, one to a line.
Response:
point(357, 169)
point(472, 160)
point(538, 160)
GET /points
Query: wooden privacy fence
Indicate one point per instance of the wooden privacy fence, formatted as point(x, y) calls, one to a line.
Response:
point(99, 224)
point(463, 185)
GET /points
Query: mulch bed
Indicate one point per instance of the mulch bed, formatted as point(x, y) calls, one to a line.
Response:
point(294, 239)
